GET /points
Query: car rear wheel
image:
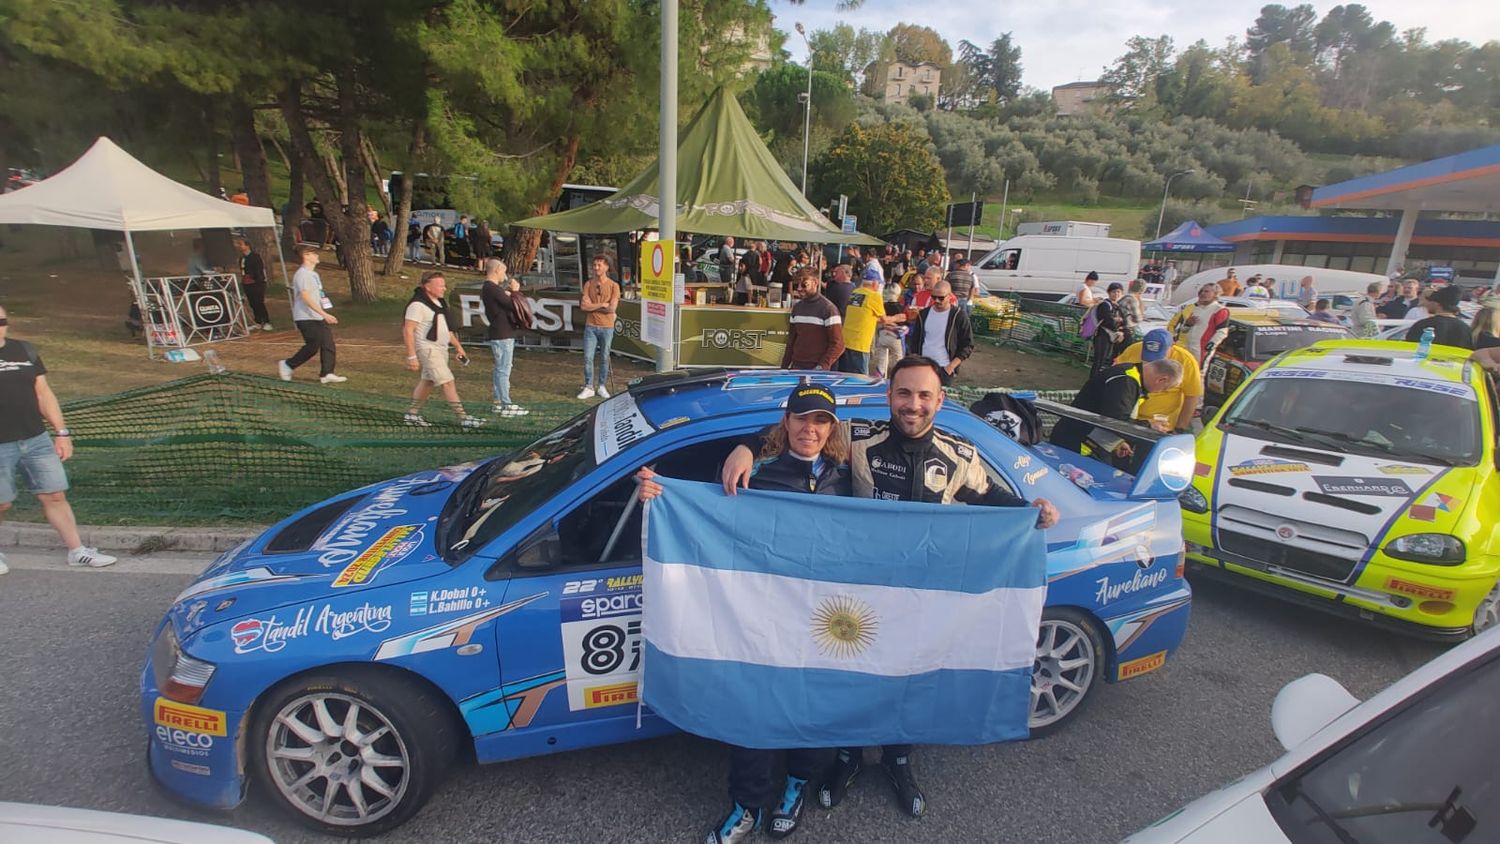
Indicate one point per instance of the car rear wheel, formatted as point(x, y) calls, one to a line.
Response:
point(352, 754)
point(1069, 659)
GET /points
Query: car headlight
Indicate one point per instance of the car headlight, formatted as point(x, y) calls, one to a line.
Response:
point(1193, 501)
point(1435, 548)
point(178, 676)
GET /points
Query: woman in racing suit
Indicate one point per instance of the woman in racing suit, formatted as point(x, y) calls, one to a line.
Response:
point(805, 452)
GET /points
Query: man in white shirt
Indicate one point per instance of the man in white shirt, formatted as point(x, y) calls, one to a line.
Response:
point(426, 332)
point(872, 261)
point(943, 333)
point(310, 306)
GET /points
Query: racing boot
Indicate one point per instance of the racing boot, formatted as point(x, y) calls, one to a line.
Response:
point(908, 794)
point(839, 777)
point(736, 827)
point(788, 812)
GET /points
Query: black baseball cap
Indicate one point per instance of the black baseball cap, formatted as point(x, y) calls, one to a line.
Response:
point(811, 398)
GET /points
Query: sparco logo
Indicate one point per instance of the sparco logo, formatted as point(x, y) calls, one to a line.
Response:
point(733, 338)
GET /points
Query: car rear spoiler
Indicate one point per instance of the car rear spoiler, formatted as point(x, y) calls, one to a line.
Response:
point(1162, 464)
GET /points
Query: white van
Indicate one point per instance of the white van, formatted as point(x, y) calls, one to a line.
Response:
point(1050, 266)
point(1331, 283)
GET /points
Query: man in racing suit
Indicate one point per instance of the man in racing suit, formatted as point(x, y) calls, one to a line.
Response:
point(904, 458)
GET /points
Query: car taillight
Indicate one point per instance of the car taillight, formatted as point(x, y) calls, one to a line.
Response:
point(1181, 564)
point(178, 676)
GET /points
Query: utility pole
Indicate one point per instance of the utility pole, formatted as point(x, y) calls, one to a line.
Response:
point(666, 166)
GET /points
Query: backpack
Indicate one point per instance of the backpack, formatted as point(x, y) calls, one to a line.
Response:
point(1090, 324)
point(1016, 418)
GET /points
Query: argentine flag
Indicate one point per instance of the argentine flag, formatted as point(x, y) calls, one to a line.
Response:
point(777, 620)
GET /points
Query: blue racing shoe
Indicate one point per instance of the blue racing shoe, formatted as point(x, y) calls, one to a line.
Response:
point(788, 812)
point(736, 827)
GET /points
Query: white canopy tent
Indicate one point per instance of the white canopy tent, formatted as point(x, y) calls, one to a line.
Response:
point(107, 188)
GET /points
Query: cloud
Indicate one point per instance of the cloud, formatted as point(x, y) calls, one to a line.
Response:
point(1075, 39)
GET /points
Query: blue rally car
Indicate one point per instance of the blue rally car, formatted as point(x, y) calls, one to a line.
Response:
point(345, 658)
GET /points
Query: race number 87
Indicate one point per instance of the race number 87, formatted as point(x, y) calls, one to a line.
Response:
point(604, 648)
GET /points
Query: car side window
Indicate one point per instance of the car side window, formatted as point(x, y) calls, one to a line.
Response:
point(580, 538)
point(998, 478)
point(1424, 774)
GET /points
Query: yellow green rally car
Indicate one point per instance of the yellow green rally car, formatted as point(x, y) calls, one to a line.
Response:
point(1360, 478)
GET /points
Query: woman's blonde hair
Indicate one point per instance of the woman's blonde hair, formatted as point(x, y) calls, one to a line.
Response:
point(1488, 318)
point(835, 450)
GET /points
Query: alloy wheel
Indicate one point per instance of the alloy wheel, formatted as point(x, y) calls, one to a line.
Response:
point(337, 759)
point(1065, 667)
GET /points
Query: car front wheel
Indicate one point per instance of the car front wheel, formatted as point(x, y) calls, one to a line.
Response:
point(1069, 659)
point(352, 754)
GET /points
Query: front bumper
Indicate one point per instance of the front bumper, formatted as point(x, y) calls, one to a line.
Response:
point(1331, 602)
point(185, 754)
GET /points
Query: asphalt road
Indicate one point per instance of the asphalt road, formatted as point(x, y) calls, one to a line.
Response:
point(72, 644)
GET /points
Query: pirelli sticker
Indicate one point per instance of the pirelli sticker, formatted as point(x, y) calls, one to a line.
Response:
point(192, 719)
point(1419, 590)
point(1144, 665)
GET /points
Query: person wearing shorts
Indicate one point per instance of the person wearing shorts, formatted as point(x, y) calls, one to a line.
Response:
point(27, 449)
point(425, 330)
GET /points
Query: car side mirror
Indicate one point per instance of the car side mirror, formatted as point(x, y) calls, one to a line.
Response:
point(1307, 705)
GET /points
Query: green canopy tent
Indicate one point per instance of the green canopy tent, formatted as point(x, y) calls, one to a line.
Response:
point(727, 184)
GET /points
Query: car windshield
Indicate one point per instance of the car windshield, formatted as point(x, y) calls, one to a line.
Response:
point(1271, 340)
point(502, 491)
point(1376, 418)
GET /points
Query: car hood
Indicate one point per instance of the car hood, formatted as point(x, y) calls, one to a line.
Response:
point(1356, 492)
point(380, 534)
point(1235, 814)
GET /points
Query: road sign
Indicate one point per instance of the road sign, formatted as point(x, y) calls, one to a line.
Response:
point(656, 271)
point(965, 214)
point(850, 224)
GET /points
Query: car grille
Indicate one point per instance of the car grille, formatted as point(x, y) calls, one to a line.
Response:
point(1313, 549)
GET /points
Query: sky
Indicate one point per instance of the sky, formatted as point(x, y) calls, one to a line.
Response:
point(1071, 40)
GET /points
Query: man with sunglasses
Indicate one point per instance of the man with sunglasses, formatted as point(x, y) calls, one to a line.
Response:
point(943, 332)
point(30, 406)
point(815, 337)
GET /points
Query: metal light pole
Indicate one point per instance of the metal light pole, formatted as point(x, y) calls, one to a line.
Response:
point(1164, 192)
point(666, 167)
point(807, 107)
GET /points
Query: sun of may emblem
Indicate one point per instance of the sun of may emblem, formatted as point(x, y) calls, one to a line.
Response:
point(844, 626)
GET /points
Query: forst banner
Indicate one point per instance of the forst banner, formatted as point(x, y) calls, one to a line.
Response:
point(708, 335)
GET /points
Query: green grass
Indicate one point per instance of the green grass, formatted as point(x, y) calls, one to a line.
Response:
point(1126, 217)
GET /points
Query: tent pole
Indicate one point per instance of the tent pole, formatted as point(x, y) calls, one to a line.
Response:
point(666, 171)
point(140, 294)
point(281, 259)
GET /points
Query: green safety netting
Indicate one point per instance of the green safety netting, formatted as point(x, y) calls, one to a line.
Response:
point(246, 449)
point(243, 448)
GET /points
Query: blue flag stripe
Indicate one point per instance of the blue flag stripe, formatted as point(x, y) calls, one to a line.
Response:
point(759, 706)
point(848, 540)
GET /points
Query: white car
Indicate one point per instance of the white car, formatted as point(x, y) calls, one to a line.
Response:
point(1154, 313)
point(24, 823)
point(1413, 764)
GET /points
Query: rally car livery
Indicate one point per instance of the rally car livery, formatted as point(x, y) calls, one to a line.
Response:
point(1361, 478)
point(1254, 337)
point(341, 660)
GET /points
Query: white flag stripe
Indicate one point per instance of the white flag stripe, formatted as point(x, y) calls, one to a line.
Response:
point(767, 619)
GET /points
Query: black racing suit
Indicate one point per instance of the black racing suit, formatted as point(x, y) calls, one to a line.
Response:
point(936, 468)
point(752, 772)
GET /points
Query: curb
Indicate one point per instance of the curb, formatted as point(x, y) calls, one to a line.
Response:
point(134, 540)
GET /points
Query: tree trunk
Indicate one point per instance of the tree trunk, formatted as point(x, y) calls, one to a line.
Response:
point(372, 170)
point(211, 136)
point(522, 243)
point(336, 171)
point(252, 156)
point(352, 226)
point(291, 219)
point(400, 222)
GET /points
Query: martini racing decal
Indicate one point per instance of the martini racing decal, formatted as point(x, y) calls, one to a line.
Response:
point(1363, 486)
point(1267, 466)
point(617, 424)
point(601, 640)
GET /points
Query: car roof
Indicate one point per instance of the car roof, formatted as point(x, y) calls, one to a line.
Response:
point(1387, 358)
point(672, 398)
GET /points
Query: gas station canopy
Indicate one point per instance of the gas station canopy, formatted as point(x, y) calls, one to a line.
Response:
point(1467, 182)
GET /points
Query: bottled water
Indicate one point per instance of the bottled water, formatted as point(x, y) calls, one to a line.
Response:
point(215, 366)
point(1424, 345)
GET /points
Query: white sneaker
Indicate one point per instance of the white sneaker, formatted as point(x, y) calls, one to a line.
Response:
point(284, 370)
point(3, 567)
point(498, 409)
point(603, 393)
point(586, 393)
point(471, 422)
point(514, 410)
point(331, 378)
point(416, 419)
point(268, 327)
point(84, 556)
point(254, 327)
